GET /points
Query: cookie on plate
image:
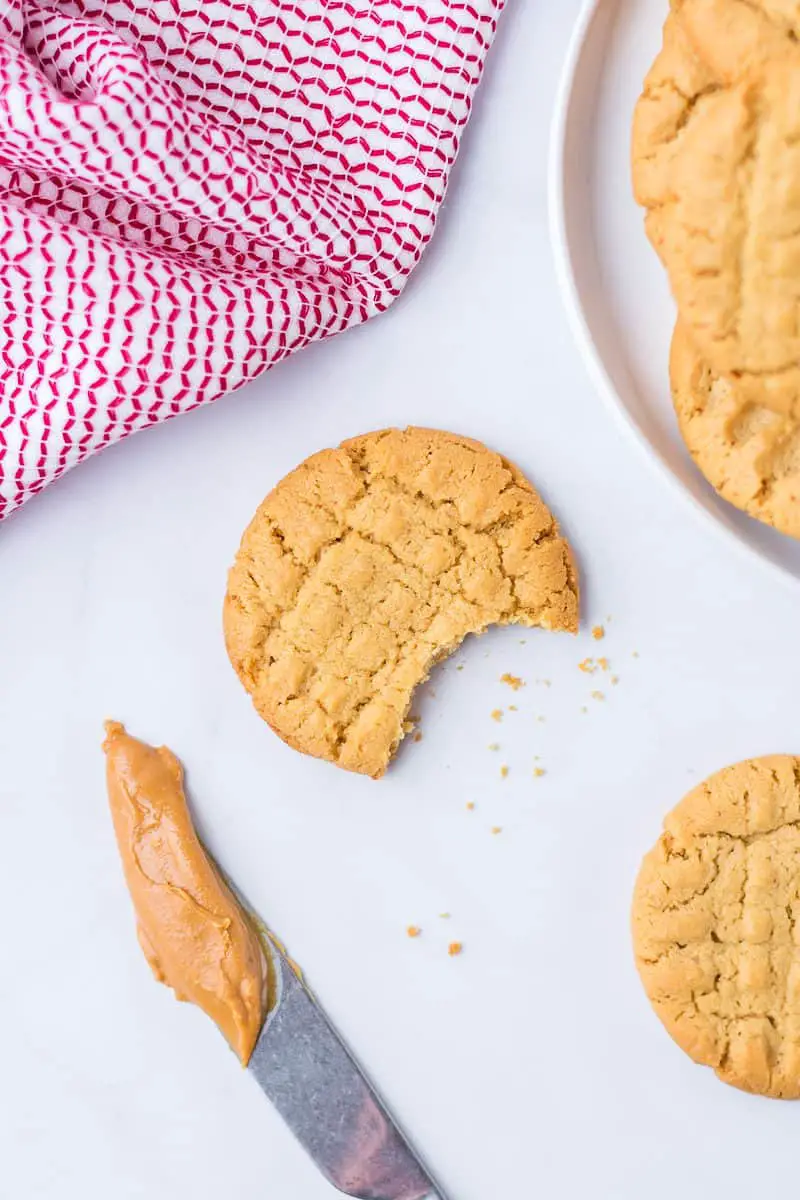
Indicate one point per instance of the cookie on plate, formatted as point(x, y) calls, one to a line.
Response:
point(716, 164)
point(369, 563)
point(733, 36)
point(747, 452)
point(707, 45)
point(731, 231)
point(678, 83)
point(716, 925)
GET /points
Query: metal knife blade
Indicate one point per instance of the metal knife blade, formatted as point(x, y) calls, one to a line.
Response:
point(302, 1065)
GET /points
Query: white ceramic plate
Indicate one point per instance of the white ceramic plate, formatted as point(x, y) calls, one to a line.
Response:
point(615, 289)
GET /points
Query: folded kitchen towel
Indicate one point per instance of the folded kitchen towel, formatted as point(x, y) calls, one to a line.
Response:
point(189, 191)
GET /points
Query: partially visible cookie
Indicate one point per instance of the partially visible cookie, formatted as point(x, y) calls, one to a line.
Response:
point(728, 229)
point(747, 452)
point(677, 84)
point(366, 565)
point(716, 164)
point(732, 37)
point(716, 925)
point(732, 227)
point(707, 45)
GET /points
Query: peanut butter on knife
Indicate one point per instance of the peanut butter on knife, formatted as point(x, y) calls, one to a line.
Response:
point(195, 935)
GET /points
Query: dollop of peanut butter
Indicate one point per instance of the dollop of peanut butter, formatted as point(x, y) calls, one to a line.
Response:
point(195, 935)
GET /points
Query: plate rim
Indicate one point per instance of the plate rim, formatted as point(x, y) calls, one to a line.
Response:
point(571, 298)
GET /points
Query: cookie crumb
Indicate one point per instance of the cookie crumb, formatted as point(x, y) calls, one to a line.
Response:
point(635, 654)
point(496, 714)
point(470, 806)
point(598, 696)
point(603, 664)
point(513, 681)
point(598, 632)
point(504, 772)
point(418, 736)
point(454, 948)
point(588, 666)
point(539, 772)
point(413, 931)
point(497, 829)
point(541, 720)
point(460, 667)
point(513, 708)
point(615, 679)
point(494, 745)
point(584, 709)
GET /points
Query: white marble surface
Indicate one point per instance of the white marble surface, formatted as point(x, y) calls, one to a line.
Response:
point(532, 1065)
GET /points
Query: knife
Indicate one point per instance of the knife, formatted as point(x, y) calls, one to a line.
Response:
point(304, 1068)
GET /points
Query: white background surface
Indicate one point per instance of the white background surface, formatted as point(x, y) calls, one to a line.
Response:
point(531, 1066)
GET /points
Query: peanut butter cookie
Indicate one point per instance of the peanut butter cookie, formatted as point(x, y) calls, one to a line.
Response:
point(715, 925)
point(366, 565)
point(716, 163)
point(733, 36)
point(707, 45)
point(678, 82)
point(731, 234)
point(747, 452)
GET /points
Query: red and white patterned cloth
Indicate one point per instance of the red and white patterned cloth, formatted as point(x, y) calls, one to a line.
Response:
point(192, 189)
